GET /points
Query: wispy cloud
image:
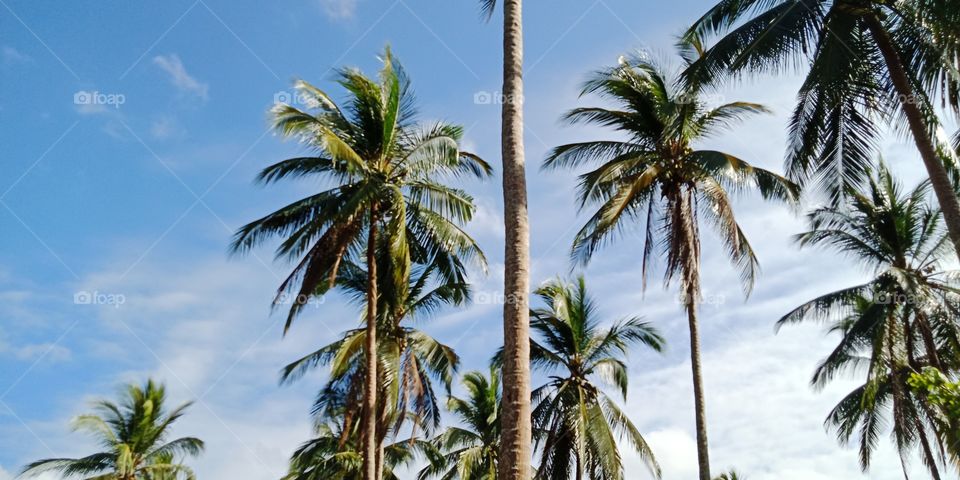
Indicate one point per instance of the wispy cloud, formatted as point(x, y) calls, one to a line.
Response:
point(180, 77)
point(339, 9)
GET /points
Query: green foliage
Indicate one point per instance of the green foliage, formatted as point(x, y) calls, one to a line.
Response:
point(409, 360)
point(575, 424)
point(657, 176)
point(900, 321)
point(469, 451)
point(945, 396)
point(847, 93)
point(385, 170)
point(134, 437)
point(333, 455)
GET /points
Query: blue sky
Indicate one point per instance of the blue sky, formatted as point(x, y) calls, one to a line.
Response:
point(130, 199)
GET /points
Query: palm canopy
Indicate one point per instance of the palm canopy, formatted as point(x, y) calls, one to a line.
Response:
point(575, 423)
point(409, 360)
point(898, 322)
point(657, 173)
point(386, 172)
point(469, 451)
point(333, 454)
point(134, 436)
point(850, 87)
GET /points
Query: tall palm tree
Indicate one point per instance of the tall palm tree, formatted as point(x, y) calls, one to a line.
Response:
point(657, 173)
point(731, 475)
point(516, 456)
point(135, 436)
point(387, 177)
point(470, 451)
point(898, 322)
point(409, 360)
point(868, 59)
point(574, 421)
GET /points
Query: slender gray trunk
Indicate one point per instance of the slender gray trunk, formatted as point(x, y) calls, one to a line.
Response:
point(515, 457)
point(700, 405)
point(939, 178)
point(369, 425)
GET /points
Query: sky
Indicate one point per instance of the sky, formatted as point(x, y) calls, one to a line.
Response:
point(131, 132)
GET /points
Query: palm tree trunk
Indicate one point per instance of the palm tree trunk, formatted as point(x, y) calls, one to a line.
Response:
point(939, 178)
point(369, 419)
point(930, 459)
point(515, 455)
point(700, 406)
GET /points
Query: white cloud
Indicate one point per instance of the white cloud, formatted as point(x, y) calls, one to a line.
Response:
point(338, 9)
point(164, 128)
point(179, 76)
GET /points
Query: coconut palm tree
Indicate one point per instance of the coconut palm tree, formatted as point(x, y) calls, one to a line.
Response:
point(515, 458)
point(658, 177)
point(135, 436)
point(898, 322)
point(868, 60)
point(409, 362)
point(574, 421)
point(470, 451)
point(387, 177)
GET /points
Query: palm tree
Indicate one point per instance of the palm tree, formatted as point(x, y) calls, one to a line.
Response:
point(868, 59)
point(516, 459)
point(470, 451)
point(332, 455)
point(731, 475)
point(657, 173)
point(134, 435)
point(409, 360)
point(386, 173)
point(898, 322)
point(574, 421)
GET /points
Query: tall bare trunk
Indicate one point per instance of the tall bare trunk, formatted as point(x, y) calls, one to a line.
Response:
point(699, 402)
point(369, 419)
point(939, 178)
point(515, 455)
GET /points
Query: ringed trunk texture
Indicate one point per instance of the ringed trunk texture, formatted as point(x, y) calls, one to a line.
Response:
point(515, 457)
point(369, 426)
point(939, 179)
point(699, 402)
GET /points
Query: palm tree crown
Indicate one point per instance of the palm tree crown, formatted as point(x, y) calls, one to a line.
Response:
point(470, 451)
point(574, 421)
point(898, 322)
point(135, 437)
point(870, 61)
